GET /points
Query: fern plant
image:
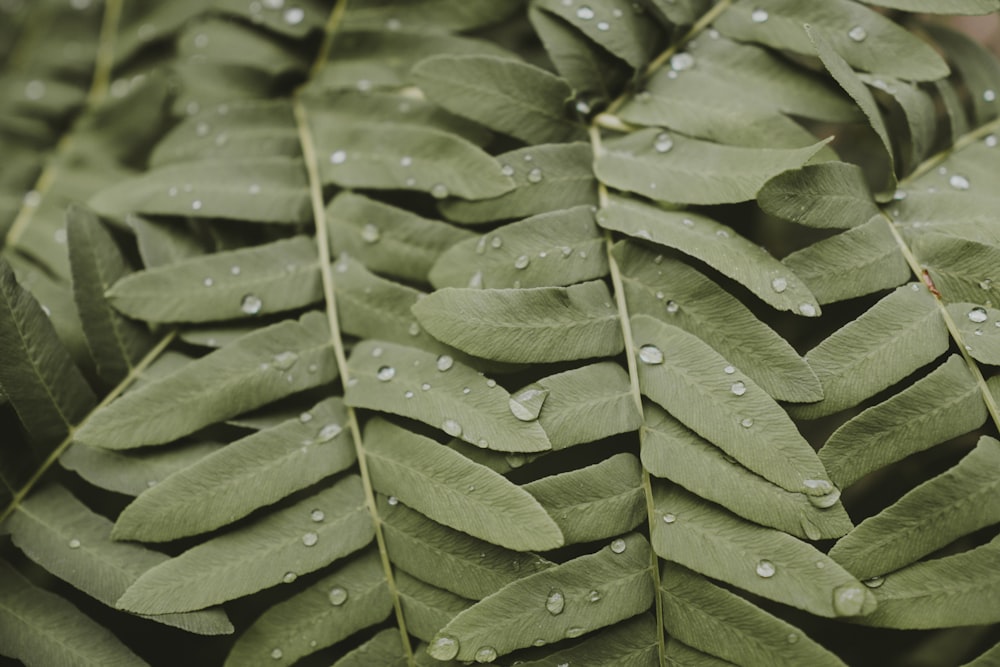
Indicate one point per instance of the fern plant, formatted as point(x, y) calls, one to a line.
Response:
point(558, 332)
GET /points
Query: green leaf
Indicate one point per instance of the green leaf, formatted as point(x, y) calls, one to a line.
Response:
point(521, 614)
point(450, 489)
point(595, 502)
point(985, 659)
point(268, 189)
point(46, 389)
point(162, 242)
point(672, 451)
point(616, 25)
point(977, 67)
point(388, 240)
point(549, 177)
point(450, 559)
point(505, 95)
point(41, 628)
point(930, 516)
point(674, 292)
point(852, 84)
point(543, 324)
point(672, 168)
point(764, 561)
point(939, 7)
point(258, 280)
point(942, 593)
point(115, 343)
point(825, 195)
point(62, 535)
point(715, 244)
point(258, 554)
point(941, 406)
point(425, 607)
point(385, 648)
point(859, 261)
point(133, 472)
point(961, 270)
point(247, 474)
point(262, 366)
point(679, 654)
point(691, 380)
point(357, 153)
point(715, 620)
point(586, 404)
point(918, 113)
point(564, 247)
point(982, 341)
point(736, 94)
point(349, 599)
point(432, 388)
point(876, 49)
point(631, 643)
point(895, 337)
point(428, 15)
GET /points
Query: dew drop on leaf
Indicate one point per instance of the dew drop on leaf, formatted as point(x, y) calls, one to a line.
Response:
point(284, 360)
point(958, 182)
point(289, 577)
point(759, 16)
point(338, 596)
point(393, 500)
point(792, 638)
point(486, 654)
point(555, 602)
point(196, 205)
point(452, 428)
point(251, 304)
point(651, 354)
point(672, 307)
point(681, 61)
point(522, 262)
point(74, 543)
point(574, 632)
point(338, 157)
point(765, 568)
point(858, 33)
point(874, 582)
point(526, 405)
point(807, 309)
point(848, 600)
point(443, 648)
point(746, 422)
point(277, 654)
point(729, 370)
point(738, 388)
point(779, 285)
point(507, 170)
point(439, 191)
point(207, 282)
point(294, 15)
point(535, 175)
point(669, 518)
point(370, 233)
point(585, 13)
point(989, 95)
point(594, 596)
point(317, 515)
point(329, 432)
point(310, 539)
point(385, 373)
point(663, 143)
point(444, 363)
point(618, 546)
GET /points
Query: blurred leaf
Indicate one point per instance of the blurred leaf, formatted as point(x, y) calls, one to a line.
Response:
point(829, 194)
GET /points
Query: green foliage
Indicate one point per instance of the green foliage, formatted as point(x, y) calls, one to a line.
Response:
point(545, 332)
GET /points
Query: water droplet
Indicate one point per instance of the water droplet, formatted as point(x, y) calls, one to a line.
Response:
point(34, 90)
point(779, 285)
point(294, 16)
point(807, 309)
point(669, 518)
point(759, 16)
point(329, 432)
point(74, 543)
point(425, 386)
point(603, 26)
point(535, 175)
point(393, 24)
point(439, 191)
point(729, 370)
point(338, 596)
point(526, 405)
point(405, 161)
point(792, 638)
point(618, 546)
point(289, 577)
point(310, 539)
point(594, 596)
point(990, 140)
point(452, 428)
point(476, 281)
point(414, 329)
point(408, 394)
point(207, 282)
point(874, 582)
point(651, 354)
point(663, 142)
point(555, 602)
point(277, 654)
point(338, 157)
point(858, 33)
point(486, 654)
point(989, 95)
point(507, 170)
point(585, 13)
point(985, 283)
point(444, 363)
point(385, 373)
point(251, 304)
point(574, 632)
point(765, 568)
point(393, 500)
point(196, 205)
point(522, 262)
point(738, 388)
point(848, 600)
point(746, 422)
point(370, 233)
point(317, 515)
point(958, 182)
point(978, 315)
point(443, 648)
point(681, 61)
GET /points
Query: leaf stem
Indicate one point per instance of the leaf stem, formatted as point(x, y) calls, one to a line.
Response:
point(330, 296)
point(120, 388)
